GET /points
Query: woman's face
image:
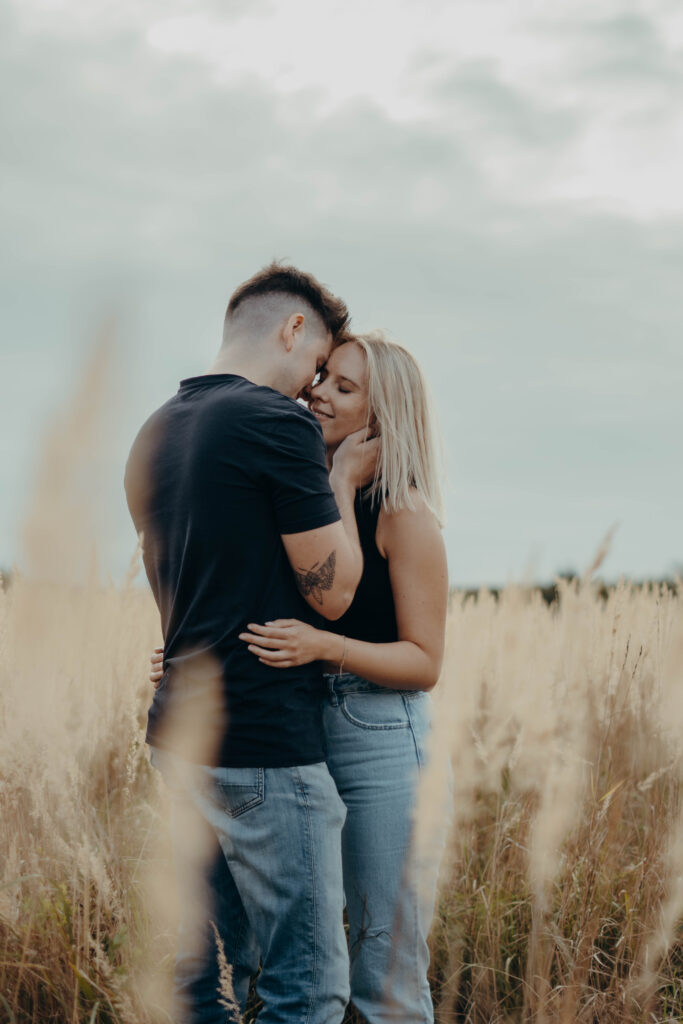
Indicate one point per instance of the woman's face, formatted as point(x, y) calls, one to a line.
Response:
point(339, 401)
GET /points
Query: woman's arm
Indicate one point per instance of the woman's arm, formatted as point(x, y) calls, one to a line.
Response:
point(414, 548)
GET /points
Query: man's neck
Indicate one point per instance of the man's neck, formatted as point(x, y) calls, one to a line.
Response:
point(242, 365)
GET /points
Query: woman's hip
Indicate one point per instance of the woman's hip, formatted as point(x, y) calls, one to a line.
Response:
point(376, 737)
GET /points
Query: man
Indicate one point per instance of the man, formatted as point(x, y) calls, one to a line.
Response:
point(228, 487)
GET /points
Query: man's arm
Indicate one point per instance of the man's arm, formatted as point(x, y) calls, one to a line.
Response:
point(414, 548)
point(328, 561)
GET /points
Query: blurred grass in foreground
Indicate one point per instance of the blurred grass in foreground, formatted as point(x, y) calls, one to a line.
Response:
point(562, 890)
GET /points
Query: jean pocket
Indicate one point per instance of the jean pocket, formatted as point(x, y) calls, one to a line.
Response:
point(237, 790)
point(376, 710)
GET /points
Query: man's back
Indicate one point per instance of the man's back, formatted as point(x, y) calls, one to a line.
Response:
point(214, 478)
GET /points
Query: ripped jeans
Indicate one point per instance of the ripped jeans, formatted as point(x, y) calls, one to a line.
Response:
point(376, 748)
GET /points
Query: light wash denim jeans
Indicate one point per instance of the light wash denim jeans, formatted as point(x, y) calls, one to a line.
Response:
point(376, 740)
point(258, 853)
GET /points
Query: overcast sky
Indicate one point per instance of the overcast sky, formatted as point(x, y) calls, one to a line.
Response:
point(497, 184)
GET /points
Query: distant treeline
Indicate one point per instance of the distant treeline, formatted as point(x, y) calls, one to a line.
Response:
point(549, 591)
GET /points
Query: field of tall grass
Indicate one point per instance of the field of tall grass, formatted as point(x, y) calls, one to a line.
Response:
point(562, 889)
point(563, 886)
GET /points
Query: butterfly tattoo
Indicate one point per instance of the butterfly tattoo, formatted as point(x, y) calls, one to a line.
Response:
point(317, 578)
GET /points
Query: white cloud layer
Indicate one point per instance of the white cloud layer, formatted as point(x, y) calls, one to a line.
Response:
point(612, 68)
point(497, 183)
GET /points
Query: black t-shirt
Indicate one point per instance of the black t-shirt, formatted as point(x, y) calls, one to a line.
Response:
point(214, 477)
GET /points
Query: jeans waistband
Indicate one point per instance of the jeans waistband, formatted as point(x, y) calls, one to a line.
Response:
point(346, 682)
point(340, 684)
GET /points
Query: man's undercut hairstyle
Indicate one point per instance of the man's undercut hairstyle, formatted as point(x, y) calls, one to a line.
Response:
point(283, 279)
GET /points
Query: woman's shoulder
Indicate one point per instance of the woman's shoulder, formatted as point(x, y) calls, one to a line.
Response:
point(397, 527)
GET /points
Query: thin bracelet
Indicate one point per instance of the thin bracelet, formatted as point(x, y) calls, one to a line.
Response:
point(341, 663)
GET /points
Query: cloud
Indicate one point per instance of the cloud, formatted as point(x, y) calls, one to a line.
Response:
point(547, 322)
point(476, 91)
point(626, 47)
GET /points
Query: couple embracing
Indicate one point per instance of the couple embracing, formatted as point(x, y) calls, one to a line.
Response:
point(289, 506)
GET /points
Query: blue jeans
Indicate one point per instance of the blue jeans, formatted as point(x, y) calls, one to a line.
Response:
point(257, 853)
point(375, 748)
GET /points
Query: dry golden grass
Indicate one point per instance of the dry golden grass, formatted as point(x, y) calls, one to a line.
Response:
point(562, 892)
point(563, 888)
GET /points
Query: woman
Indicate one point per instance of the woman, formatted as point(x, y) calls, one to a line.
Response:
point(380, 660)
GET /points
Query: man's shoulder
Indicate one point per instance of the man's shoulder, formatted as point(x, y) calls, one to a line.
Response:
point(151, 429)
point(246, 412)
point(273, 412)
point(275, 401)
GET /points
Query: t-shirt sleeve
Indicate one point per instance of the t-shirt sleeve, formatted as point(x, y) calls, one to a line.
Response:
point(296, 473)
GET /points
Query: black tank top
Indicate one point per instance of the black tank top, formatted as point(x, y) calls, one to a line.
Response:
point(371, 616)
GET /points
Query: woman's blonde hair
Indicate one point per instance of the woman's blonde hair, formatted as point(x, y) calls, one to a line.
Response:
point(401, 403)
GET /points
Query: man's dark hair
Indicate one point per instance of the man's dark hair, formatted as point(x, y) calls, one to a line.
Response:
point(287, 280)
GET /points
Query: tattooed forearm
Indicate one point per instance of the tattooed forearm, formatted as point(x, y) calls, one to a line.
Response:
point(317, 578)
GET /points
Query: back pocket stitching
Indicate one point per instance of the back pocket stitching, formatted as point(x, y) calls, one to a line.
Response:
point(226, 788)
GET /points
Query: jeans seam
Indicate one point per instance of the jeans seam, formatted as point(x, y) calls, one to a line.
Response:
point(309, 830)
point(239, 937)
point(418, 755)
